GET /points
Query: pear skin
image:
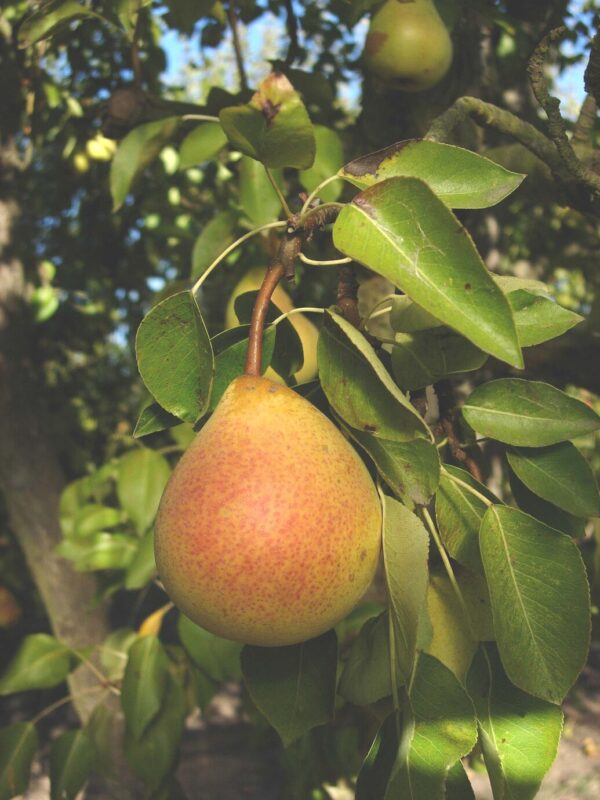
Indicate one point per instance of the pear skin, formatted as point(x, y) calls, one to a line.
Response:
point(269, 530)
point(408, 45)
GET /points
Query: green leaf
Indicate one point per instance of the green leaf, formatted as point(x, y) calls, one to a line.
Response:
point(527, 413)
point(142, 567)
point(405, 552)
point(459, 513)
point(406, 316)
point(328, 159)
point(40, 663)
point(217, 234)
point(258, 199)
point(175, 357)
point(274, 127)
point(402, 231)
point(114, 652)
point(455, 639)
point(136, 151)
point(410, 469)
point(458, 786)
point(18, 745)
point(460, 178)
point(144, 684)
point(152, 757)
point(540, 601)
point(93, 518)
point(294, 687)
point(50, 18)
point(539, 318)
point(99, 551)
point(366, 677)
point(518, 733)
point(437, 728)
point(71, 760)
point(377, 766)
point(100, 730)
point(218, 658)
point(153, 419)
point(359, 388)
point(510, 284)
point(142, 477)
point(422, 358)
point(560, 475)
point(441, 731)
point(230, 362)
point(201, 144)
point(551, 515)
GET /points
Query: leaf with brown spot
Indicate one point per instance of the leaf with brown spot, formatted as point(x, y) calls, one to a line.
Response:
point(460, 178)
point(274, 127)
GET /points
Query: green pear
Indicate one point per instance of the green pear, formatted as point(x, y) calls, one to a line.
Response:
point(305, 329)
point(269, 530)
point(408, 45)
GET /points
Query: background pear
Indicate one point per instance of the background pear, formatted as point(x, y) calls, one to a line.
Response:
point(305, 329)
point(408, 45)
point(269, 529)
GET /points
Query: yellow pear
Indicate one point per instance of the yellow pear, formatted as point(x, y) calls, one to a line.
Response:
point(305, 329)
point(408, 45)
point(269, 529)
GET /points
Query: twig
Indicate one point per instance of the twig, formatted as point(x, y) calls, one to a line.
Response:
point(449, 571)
point(282, 264)
point(278, 192)
point(347, 295)
point(551, 105)
point(502, 121)
point(299, 229)
point(136, 64)
point(232, 17)
point(292, 30)
point(333, 262)
point(231, 248)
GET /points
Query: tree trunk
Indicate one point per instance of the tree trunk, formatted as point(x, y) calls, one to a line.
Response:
point(31, 479)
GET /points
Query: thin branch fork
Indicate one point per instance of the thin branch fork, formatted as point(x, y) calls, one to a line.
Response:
point(556, 124)
point(237, 46)
point(298, 231)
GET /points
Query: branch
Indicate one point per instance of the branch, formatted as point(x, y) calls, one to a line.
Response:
point(556, 124)
point(586, 121)
point(292, 30)
point(232, 17)
point(491, 116)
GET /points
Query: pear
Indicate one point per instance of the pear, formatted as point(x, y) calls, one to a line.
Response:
point(269, 530)
point(305, 329)
point(408, 45)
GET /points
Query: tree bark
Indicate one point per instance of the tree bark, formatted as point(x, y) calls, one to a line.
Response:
point(31, 479)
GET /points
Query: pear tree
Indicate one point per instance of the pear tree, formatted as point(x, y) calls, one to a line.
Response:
point(283, 494)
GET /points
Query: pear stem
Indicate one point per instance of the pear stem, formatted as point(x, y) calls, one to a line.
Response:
point(282, 264)
point(257, 322)
point(299, 229)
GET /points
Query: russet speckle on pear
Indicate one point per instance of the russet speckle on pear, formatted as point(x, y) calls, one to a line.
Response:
point(269, 530)
point(408, 45)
